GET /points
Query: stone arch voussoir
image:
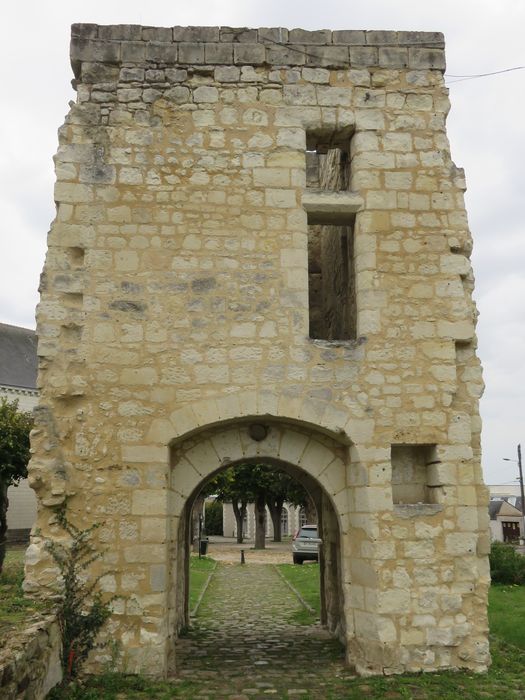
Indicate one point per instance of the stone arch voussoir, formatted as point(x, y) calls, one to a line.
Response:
point(326, 417)
point(197, 455)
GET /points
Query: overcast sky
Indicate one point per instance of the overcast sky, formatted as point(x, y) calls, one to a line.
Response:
point(485, 127)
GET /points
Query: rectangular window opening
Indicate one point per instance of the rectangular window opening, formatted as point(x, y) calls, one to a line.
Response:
point(331, 275)
point(413, 474)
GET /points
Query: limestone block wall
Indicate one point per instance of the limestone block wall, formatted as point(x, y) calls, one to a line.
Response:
point(31, 665)
point(175, 312)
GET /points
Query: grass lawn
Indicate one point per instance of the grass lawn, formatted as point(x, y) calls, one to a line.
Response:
point(305, 579)
point(200, 569)
point(15, 609)
point(507, 613)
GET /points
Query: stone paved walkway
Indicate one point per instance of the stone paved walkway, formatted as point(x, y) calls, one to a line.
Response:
point(243, 644)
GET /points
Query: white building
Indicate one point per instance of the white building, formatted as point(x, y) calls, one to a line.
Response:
point(18, 369)
point(292, 517)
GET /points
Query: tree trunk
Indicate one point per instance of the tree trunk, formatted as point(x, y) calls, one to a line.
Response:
point(195, 514)
point(260, 522)
point(310, 511)
point(239, 510)
point(4, 504)
point(276, 508)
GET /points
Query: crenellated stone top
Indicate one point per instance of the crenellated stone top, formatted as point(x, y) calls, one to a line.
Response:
point(275, 46)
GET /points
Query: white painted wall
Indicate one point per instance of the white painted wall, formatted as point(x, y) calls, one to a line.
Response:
point(21, 514)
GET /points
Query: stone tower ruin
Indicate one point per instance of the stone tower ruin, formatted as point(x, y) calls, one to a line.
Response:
point(261, 252)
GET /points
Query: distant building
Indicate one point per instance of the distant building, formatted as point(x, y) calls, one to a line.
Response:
point(18, 370)
point(505, 512)
point(292, 517)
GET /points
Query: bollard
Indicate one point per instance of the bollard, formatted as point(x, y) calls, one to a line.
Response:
point(242, 556)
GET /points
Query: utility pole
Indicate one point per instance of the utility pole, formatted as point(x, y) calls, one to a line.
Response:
point(522, 493)
point(522, 538)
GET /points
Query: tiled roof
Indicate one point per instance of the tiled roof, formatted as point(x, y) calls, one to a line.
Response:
point(18, 359)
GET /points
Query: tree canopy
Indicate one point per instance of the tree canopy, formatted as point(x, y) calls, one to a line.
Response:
point(263, 485)
point(15, 427)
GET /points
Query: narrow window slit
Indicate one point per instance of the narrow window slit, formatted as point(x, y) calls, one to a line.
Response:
point(331, 275)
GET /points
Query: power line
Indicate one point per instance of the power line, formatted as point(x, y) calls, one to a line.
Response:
point(461, 78)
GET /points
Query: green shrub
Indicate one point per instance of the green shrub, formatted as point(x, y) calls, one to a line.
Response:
point(214, 518)
point(81, 611)
point(506, 564)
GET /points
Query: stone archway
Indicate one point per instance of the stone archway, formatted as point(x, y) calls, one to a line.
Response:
point(317, 461)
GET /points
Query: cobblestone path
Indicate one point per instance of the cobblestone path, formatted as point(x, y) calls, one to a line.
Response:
point(244, 645)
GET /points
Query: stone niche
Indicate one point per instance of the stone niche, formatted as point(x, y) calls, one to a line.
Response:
point(265, 227)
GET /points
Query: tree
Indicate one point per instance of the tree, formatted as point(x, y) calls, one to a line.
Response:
point(196, 515)
point(262, 485)
point(213, 518)
point(230, 486)
point(281, 488)
point(15, 427)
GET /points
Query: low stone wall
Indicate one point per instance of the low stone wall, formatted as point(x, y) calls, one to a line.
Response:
point(30, 663)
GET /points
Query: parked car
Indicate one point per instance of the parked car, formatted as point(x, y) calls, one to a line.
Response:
point(305, 544)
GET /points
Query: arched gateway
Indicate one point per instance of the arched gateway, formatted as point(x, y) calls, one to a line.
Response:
point(263, 227)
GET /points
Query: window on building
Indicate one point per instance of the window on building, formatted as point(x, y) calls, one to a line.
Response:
point(331, 277)
point(284, 522)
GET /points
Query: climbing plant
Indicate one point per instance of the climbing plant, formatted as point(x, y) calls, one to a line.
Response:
point(81, 611)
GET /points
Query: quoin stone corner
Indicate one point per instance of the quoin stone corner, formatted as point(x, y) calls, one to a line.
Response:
point(265, 226)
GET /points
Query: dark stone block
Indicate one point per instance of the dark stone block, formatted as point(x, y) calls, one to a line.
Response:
point(285, 55)
point(84, 31)
point(375, 38)
point(426, 58)
point(191, 53)
point(393, 57)
point(218, 53)
point(93, 73)
point(428, 39)
point(163, 34)
point(250, 54)
point(133, 51)
point(237, 35)
point(319, 37)
point(327, 56)
point(97, 173)
point(204, 284)
point(363, 56)
point(273, 35)
point(196, 34)
point(161, 52)
point(353, 37)
point(120, 32)
point(128, 306)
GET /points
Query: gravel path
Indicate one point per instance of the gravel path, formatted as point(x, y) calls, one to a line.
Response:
point(227, 550)
point(243, 643)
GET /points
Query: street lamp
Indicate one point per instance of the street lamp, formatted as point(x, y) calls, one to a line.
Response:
point(506, 459)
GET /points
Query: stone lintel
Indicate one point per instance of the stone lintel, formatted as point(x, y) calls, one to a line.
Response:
point(416, 510)
point(328, 207)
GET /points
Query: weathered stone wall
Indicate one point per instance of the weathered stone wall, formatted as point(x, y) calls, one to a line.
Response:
point(30, 664)
point(174, 313)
